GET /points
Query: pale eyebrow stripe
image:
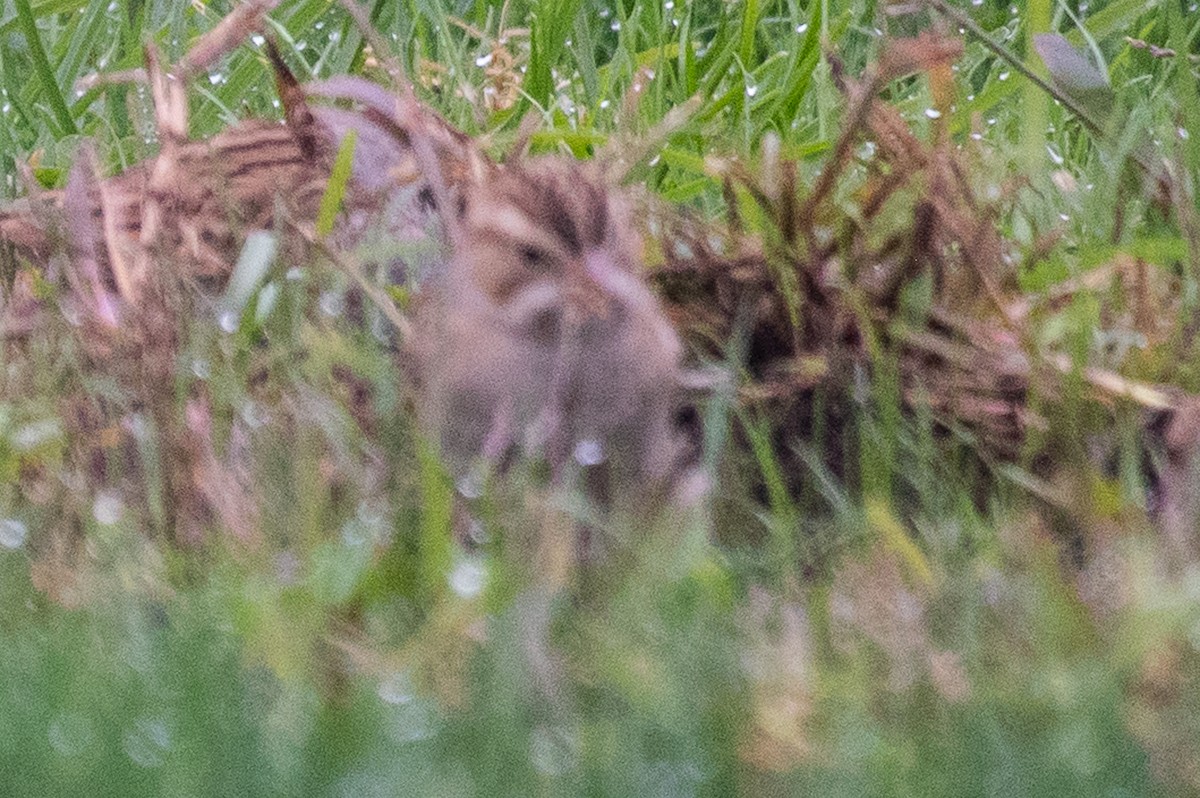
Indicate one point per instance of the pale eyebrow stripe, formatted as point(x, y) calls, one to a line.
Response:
point(509, 222)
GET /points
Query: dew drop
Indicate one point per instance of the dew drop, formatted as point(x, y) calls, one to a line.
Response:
point(410, 722)
point(933, 113)
point(12, 533)
point(331, 303)
point(484, 59)
point(71, 734)
point(467, 577)
point(802, 27)
point(147, 743)
point(470, 486)
point(253, 414)
point(108, 507)
point(397, 688)
point(228, 321)
point(553, 751)
point(287, 567)
point(1003, 75)
point(589, 452)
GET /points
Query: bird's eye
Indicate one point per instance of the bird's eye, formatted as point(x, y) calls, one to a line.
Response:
point(533, 257)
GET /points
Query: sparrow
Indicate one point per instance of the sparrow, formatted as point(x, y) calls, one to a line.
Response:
point(541, 338)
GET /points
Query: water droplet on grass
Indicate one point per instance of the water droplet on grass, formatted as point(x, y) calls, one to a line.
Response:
point(147, 743)
point(410, 722)
point(108, 507)
point(331, 303)
point(470, 485)
point(71, 734)
point(468, 577)
point(396, 688)
point(12, 533)
point(553, 751)
point(589, 452)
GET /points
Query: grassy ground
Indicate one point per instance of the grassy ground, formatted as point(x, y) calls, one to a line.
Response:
point(891, 610)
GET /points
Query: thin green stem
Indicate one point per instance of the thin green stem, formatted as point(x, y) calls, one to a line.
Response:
point(41, 65)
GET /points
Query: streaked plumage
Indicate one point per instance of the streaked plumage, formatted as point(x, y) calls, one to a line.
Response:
point(543, 338)
point(207, 195)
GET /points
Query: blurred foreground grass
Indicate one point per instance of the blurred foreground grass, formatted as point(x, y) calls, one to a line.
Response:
point(921, 640)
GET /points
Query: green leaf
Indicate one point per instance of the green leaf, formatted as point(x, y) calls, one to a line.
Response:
point(257, 254)
point(335, 190)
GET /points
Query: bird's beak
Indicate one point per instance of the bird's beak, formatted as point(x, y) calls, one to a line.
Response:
point(589, 291)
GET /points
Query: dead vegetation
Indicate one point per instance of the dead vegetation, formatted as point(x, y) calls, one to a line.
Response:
point(890, 268)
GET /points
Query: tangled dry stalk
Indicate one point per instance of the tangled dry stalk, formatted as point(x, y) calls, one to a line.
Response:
point(890, 265)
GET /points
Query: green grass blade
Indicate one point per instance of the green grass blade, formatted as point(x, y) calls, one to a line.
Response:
point(45, 72)
point(335, 190)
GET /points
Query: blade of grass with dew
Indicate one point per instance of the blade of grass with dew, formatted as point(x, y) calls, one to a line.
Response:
point(550, 25)
point(45, 73)
point(257, 255)
point(88, 30)
point(1114, 19)
point(785, 516)
point(437, 499)
point(47, 8)
point(247, 72)
point(1035, 105)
